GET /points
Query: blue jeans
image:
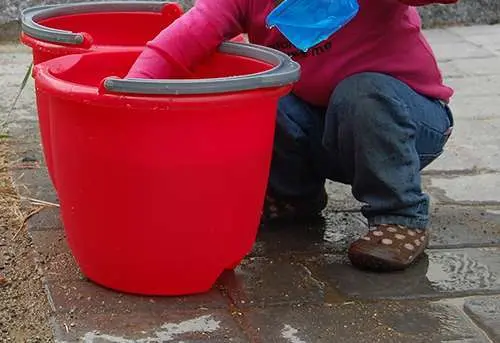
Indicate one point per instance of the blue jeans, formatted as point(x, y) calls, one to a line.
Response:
point(377, 134)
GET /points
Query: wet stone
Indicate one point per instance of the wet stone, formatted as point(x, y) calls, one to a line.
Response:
point(275, 240)
point(55, 256)
point(332, 233)
point(457, 227)
point(70, 291)
point(83, 299)
point(355, 322)
point(47, 219)
point(265, 282)
point(468, 189)
point(465, 271)
point(486, 312)
point(461, 152)
point(439, 273)
point(340, 197)
point(212, 326)
point(35, 183)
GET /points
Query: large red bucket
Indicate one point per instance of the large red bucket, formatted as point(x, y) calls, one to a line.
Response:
point(58, 30)
point(161, 182)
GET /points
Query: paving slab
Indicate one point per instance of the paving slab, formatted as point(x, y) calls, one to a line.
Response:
point(467, 86)
point(331, 233)
point(47, 219)
point(266, 282)
point(364, 323)
point(441, 273)
point(440, 36)
point(482, 107)
point(486, 312)
point(469, 189)
point(448, 51)
point(340, 197)
point(33, 182)
point(479, 66)
point(460, 227)
point(476, 30)
point(473, 145)
point(211, 326)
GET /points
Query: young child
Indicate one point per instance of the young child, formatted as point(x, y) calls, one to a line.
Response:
point(370, 110)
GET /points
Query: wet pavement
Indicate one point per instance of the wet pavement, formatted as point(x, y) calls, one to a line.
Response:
point(297, 286)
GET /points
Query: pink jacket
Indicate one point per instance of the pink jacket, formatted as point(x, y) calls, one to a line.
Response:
point(384, 37)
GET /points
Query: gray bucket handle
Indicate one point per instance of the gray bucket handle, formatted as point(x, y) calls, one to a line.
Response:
point(30, 16)
point(285, 72)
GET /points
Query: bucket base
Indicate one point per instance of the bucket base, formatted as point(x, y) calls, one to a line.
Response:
point(164, 289)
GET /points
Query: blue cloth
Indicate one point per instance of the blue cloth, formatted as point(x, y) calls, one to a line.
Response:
point(306, 23)
point(377, 134)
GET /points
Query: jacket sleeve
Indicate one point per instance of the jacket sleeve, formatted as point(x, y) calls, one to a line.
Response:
point(190, 39)
point(427, 2)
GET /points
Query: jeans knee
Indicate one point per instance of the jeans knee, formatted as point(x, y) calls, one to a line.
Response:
point(368, 101)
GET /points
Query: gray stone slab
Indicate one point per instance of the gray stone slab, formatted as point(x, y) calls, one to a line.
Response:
point(35, 183)
point(340, 197)
point(355, 322)
point(479, 66)
point(332, 233)
point(452, 227)
point(489, 41)
point(70, 292)
point(262, 281)
point(84, 298)
point(473, 145)
point(459, 227)
point(473, 86)
point(211, 326)
point(475, 30)
point(439, 36)
point(47, 219)
point(459, 50)
point(476, 108)
point(469, 189)
point(55, 256)
point(450, 70)
point(465, 270)
point(486, 312)
point(440, 273)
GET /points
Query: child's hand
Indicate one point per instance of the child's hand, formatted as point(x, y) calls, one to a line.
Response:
point(426, 2)
point(155, 64)
point(190, 39)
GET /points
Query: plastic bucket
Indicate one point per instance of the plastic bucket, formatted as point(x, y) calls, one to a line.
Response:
point(58, 30)
point(161, 182)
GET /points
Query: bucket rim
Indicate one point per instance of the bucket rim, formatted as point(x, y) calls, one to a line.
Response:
point(30, 17)
point(282, 72)
point(285, 71)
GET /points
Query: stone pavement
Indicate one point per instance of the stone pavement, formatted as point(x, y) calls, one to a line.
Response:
point(296, 286)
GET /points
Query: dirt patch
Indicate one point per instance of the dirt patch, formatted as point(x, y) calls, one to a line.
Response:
point(24, 310)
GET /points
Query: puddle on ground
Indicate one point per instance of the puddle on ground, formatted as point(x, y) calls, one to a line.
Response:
point(458, 271)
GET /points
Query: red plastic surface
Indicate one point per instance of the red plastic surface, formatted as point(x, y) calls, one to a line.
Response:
point(113, 31)
point(159, 194)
